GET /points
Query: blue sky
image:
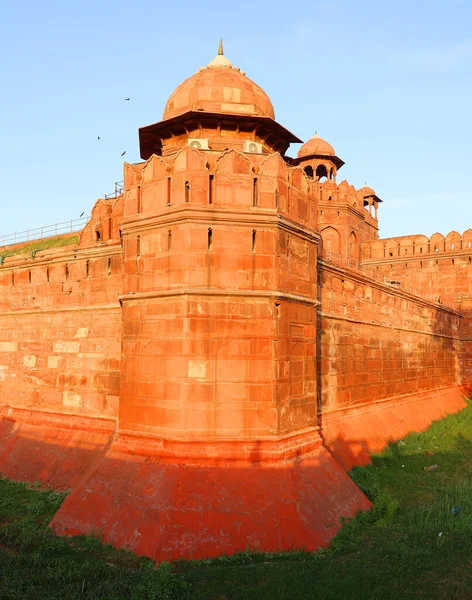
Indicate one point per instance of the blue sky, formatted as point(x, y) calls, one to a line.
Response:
point(388, 84)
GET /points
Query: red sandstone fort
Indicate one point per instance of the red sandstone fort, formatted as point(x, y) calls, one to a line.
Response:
point(227, 338)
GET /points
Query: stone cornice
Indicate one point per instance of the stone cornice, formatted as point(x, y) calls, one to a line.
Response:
point(264, 217)
point(271, 295)
point(389, 326)
point(409, 258)
point(60, 309)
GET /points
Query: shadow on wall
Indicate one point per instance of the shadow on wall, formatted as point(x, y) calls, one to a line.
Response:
point(57, 455)
point(169, 511)
point(377, 381)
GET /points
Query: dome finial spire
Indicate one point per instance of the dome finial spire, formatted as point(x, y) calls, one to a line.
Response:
point(220, 61)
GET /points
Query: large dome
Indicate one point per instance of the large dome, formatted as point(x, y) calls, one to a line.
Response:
point(220, 88)
point(316, 145)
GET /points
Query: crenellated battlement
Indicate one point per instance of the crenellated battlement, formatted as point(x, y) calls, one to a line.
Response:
point(418, 246)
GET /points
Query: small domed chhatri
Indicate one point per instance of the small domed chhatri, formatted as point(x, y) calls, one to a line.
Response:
point(219, 88)
point(367, 191)
point(316, 145)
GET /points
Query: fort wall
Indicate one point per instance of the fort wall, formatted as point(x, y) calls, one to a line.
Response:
point(60, 328)
point(437, 268)
point(192, 366)
point(380, 350)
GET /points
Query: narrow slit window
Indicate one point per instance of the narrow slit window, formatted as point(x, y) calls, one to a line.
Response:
point(210, 239)
point(211, 191)
point(29, 275)
point(254, 240)
point(139, 199)
point(138, 246)
point(187, 192)
point(67, 271)
point(13, 278)
point(169, 191)
point(109, 266)
point(277, 199)
point(47, 274)
point(169, 240)
point(255, 192)
point(87, 269)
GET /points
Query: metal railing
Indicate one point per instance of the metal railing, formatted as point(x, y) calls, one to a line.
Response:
point(119, 186)
point(45, 231)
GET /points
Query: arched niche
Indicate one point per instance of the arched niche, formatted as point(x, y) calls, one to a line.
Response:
point(330, 241)
point(353, 247)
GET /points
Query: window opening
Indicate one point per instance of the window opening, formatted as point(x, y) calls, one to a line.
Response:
point(210, 188)
point(255, 192)
point(187, 192)
point(210, 239)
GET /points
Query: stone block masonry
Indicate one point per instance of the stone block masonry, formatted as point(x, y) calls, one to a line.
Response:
point(201, 367)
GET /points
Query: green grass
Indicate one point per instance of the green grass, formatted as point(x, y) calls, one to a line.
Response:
point(36, 564)
point(410, 545)
point(35, 246)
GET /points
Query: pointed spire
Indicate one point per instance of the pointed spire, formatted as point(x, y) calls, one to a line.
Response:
point(220, 61)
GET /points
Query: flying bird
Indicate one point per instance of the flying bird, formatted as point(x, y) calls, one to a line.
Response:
point(82, 215)
point(127, 99)
point(123, 153)
point(98, 137)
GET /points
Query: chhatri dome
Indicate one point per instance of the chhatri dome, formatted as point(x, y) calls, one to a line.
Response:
point(367, 191)
point(219, 88)
point(316, 145)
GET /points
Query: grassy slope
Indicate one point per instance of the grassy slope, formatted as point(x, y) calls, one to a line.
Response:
point(54, 242)
point(394, 551)
point(36, 564)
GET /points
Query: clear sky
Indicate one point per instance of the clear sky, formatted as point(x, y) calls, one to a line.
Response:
point(387, 83)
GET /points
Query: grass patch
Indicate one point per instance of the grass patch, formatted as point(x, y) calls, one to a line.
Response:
point(416, 542)
point(35, 246)
point(35, 563)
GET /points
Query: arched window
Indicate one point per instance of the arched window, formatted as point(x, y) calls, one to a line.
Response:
point(309, 171)
point(321, 172)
